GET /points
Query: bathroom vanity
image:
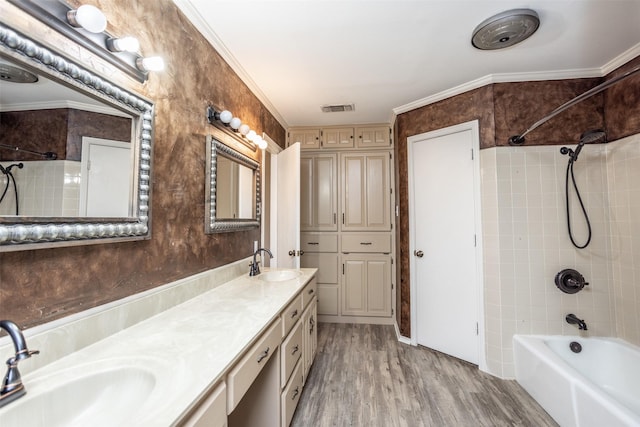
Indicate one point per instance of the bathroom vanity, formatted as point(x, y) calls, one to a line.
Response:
point(237, 354)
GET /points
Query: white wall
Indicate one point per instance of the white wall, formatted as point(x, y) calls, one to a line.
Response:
point(526, 243)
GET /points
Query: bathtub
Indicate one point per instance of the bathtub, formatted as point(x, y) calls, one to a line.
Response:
point(597, 387)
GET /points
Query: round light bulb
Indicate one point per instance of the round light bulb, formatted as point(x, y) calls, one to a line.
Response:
point(226, 116)
point(262, 144)
point(244, 129)
point(151, 63)
point(124, 44)
point(88, 17)
point(251, 135)
point(235, 123)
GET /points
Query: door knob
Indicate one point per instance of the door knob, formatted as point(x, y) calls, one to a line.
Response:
point(292, 253)
point(419, 254)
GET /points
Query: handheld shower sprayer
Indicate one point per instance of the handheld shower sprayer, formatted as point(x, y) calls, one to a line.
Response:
point(588, 137)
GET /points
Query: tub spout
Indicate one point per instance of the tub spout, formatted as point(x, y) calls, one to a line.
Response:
point(572, 319)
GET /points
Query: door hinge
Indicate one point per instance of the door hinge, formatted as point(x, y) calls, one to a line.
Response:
point(390, 158)
point(472, 154)
point(475, 240)
point(477, 329)
point(392, 286)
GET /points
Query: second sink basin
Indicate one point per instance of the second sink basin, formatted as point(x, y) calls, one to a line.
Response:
point(279, 275)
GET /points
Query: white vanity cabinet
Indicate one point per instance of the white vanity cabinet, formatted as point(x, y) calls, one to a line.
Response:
point(264, 386)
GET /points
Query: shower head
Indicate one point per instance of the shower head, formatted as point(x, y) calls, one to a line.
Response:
point(593, 136)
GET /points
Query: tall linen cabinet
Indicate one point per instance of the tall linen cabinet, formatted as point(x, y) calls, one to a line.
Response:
point(347, 220)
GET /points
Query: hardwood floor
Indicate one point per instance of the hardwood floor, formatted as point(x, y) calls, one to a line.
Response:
point(362, 376)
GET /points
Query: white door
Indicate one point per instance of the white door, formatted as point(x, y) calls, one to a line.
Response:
point(444, 222)
point(285, 208)
point(106, 178)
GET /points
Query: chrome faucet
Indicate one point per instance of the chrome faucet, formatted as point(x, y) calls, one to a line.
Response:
point(12, 387)
point(255, 269)
point(572, 319)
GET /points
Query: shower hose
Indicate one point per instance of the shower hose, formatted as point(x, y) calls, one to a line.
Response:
point(584, 211)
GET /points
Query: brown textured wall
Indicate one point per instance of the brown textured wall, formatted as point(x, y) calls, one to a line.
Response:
point(622, 103)
point(39, 285)
point(519, 105)
point(42, 131)
point(468, 106)
point(505, 109)
point(57, 130)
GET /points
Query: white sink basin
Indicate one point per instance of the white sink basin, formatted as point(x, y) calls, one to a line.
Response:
point(279, 275)
point(108, 397)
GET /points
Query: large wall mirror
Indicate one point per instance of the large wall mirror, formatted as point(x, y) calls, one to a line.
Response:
point(75, 152)
point(233, 188)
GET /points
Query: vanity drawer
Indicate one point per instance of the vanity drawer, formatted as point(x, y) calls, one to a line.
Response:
point(366, 242)
point(309, 292)
point(212, 412)
point(242, 375)
point(291, 315)
point(291, 395)
point(319, 242)
point(291, 350)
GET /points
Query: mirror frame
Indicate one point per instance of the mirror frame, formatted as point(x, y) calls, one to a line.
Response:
point(216, 148)
point(43, 232)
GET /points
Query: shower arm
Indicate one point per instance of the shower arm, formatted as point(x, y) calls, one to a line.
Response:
point(519, 139)
point(49, 155)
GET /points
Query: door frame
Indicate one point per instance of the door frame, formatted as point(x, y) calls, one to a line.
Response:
point(474, 127)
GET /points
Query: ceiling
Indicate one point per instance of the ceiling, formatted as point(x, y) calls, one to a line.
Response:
point(387, 57)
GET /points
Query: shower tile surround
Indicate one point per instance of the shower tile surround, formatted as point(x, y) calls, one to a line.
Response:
point(526, 243)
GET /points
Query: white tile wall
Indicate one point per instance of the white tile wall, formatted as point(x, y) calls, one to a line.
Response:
point(45, 188)
point(526, 243)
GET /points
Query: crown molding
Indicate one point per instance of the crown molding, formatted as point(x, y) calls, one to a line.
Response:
point(610, 66)
point(187, 8)
point(52, 105)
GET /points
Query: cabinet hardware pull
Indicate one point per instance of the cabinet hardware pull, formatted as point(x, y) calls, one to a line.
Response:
point(295, 350)
point(365, 243)
point(263, 355)
point(313, 243)
point(294, 314)
point(295, 393)
point(310, 291)
point(343, 218)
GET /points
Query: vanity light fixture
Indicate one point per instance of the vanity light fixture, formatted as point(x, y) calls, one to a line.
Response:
point(88, 17)
point(225, 120)
point(123, 44)
point(150, 63)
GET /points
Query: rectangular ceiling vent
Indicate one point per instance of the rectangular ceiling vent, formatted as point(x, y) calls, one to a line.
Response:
point(338, 108)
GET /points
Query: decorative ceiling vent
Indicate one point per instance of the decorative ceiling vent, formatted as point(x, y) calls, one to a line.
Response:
point(338, 108)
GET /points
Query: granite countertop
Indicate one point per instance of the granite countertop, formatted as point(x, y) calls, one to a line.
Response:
point(188, 348)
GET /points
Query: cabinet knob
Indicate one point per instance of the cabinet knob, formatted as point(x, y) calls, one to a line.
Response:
point(295, 349)
point(295, 393)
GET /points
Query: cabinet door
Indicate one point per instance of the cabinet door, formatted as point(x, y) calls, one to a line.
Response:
point(354, 287)
point(379, 136)
point(318, 193)
point(366, 196)
point(308, 138)
point(326, 263)
point(310, 339)
point(366, 285)
point(337, 138)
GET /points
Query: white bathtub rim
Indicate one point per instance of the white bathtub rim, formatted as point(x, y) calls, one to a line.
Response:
point(536, 344)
